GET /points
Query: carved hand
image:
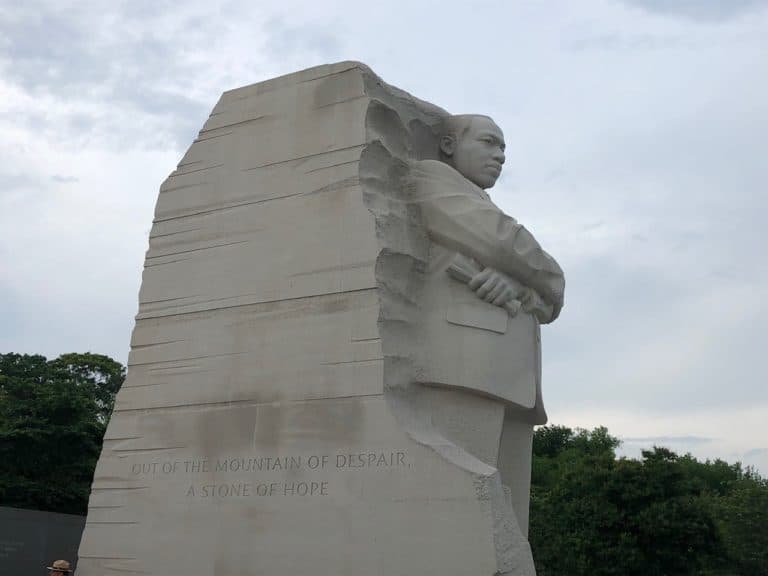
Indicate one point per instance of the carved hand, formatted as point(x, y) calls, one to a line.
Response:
point(496, 288)
point(499, 289)
point(535, 304)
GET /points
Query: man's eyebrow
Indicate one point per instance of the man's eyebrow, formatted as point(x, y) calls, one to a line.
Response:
point(486, 134)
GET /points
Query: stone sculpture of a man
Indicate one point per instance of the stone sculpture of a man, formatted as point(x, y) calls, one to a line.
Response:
point(488, 286)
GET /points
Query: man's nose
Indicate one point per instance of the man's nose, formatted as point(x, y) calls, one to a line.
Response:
point(499, 156)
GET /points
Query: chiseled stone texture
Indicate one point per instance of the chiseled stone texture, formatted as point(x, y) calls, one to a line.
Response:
point(272, 422)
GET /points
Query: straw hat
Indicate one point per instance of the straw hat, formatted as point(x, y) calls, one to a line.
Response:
point(60, 566)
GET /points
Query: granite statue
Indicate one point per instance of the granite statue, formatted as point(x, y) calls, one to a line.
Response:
point(335, 366)
point(474, 286)
point(490, 285)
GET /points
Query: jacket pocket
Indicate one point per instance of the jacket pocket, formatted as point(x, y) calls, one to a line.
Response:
point(481, 315)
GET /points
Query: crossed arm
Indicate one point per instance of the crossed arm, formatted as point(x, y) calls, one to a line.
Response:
point(499, 289)
point(515, 266)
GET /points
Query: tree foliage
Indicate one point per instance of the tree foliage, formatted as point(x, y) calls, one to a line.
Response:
point(53, 415)
point(742, 517)
point(664, 514)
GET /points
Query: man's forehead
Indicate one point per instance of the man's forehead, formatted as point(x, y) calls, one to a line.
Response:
point(484, 124)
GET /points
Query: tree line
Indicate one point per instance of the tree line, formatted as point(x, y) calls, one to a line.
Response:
point(664, 514)
point(592, 513)
point(53, 414)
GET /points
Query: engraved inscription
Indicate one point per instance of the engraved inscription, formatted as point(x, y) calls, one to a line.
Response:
point(248, 490)
point(7, 547)
point(255, 475)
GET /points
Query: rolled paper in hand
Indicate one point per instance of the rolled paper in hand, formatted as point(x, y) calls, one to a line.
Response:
point(464, 269)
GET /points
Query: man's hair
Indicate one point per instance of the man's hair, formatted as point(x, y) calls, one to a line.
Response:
point(457, 125)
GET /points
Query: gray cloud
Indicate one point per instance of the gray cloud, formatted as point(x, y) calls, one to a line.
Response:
point(651, 340)
point(74, 55)
point(12, 327)
point(628, 42)
point(87, 57)
point(64, 179)
point(131, 67)
point(37, 64)
point(712, 11)
point(661, 440)
point(288, 40)
point(14, 181)
point(181, 116)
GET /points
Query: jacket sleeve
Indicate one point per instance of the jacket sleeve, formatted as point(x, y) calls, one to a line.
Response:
point(458, 218)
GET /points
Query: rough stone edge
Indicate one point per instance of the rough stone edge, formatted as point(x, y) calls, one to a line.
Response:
point(403, 256)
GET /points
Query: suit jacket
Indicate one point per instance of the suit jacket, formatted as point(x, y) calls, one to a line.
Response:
point(467, 342)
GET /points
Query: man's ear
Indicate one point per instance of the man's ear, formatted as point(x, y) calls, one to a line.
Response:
point(448, 145)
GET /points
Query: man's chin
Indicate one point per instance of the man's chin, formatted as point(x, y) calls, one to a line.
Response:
point(486, 181)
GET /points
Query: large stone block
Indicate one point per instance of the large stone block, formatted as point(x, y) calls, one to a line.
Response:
point(283, 411)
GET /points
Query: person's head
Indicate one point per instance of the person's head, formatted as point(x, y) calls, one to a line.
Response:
point(59, 568)
point(474, 146)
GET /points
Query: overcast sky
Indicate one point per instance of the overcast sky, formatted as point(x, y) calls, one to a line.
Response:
point(637, 154)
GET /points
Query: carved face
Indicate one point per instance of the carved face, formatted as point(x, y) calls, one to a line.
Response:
point(476, 151)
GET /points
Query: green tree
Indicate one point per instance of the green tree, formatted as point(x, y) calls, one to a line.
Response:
point(741, 515)
point(594, 514)
point(97, 373)
point(53, 415)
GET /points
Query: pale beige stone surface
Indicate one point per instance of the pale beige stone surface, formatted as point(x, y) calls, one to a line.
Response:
point(295, 404)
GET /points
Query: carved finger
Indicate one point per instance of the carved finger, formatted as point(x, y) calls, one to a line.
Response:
point(497, 291)
point(480, 278)
point(513, 307)
point(487, 286)
point(503, 298)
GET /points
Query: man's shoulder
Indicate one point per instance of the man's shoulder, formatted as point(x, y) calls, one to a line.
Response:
point(436, 167)
point(435, 176)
